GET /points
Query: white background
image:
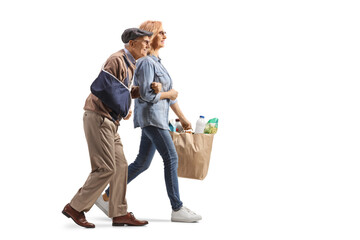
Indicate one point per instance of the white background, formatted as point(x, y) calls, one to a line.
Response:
point(281, 76)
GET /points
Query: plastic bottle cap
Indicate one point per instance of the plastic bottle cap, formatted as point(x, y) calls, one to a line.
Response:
point(202, 117)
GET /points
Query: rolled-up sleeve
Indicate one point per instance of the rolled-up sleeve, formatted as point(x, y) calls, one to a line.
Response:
point(144, 76)
point(173, 101)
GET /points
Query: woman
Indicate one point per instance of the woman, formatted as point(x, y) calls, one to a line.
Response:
point(151, 114)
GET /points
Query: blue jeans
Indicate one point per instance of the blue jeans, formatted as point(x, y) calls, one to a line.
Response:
point(154, 138)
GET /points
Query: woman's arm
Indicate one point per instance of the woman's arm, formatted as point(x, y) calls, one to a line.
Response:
point(145, 76)
point(171, 94)
point(184, 122)
point(135, 92)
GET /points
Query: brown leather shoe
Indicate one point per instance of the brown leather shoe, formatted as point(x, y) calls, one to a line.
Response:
point(128, 219)
point(78, 217)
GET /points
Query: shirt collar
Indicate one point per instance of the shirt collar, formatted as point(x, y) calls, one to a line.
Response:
point(158, 59)
point(131, 58)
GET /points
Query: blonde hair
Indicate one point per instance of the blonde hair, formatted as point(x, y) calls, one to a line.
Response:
point(154, 27)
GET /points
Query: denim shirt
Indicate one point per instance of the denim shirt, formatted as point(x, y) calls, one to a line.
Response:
point(149, 109)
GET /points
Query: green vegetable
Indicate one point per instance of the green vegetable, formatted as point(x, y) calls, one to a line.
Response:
point(211, 126)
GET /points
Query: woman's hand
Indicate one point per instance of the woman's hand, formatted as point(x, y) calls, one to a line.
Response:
point(183, 120)
point(156, 86)
point(129, 115)
point(185, 124)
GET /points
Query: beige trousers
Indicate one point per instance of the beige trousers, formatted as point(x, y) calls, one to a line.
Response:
point(108, 165)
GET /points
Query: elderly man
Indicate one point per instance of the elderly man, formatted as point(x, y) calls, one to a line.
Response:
point(108, 163)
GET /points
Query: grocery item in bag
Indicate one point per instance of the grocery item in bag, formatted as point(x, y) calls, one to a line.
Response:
point(172, 125)
point(200, 125)
point(211, 126)
point(178, 126)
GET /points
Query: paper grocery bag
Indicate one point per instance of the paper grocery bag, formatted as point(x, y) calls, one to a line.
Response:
point(194, 152)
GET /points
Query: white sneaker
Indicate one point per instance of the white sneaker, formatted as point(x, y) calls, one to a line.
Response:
point(104, 206)
point(184, 215)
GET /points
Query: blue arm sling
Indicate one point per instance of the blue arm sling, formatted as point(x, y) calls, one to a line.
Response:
point(113, 93)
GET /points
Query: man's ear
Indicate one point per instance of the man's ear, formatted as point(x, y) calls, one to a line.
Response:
point(131, 43)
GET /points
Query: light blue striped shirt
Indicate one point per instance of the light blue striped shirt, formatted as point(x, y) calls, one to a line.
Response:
point(149, 109)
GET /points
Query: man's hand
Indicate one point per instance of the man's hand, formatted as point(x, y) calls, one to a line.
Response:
point(135, 92)
point(156, 86)
point(129, 115)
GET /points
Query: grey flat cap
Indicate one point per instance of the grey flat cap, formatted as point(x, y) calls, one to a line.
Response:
point(133, 33)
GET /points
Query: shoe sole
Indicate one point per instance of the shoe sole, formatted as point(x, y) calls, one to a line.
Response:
point(67, 215)
point(186, 220)
point(123, 224)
